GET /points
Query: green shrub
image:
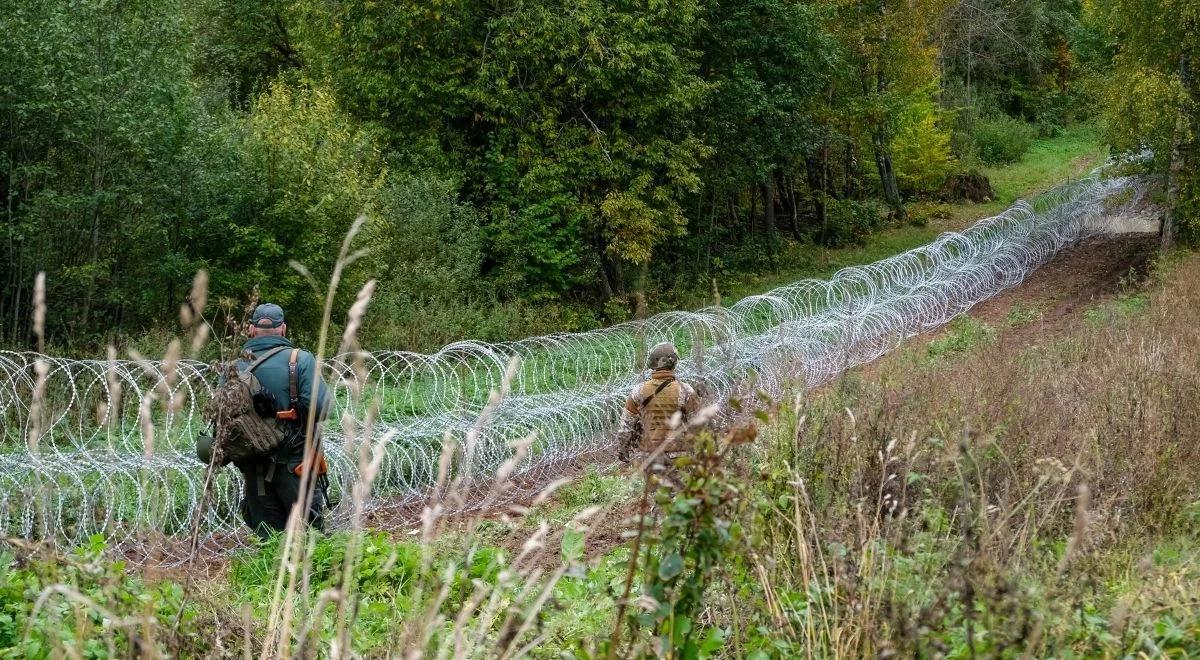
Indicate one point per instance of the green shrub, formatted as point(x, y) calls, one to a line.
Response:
point(1001, 140)
point(86, 605)
point(920, 213)
point(850, 222)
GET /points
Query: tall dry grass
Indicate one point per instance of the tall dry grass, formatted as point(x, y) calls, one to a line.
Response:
point(993, 500)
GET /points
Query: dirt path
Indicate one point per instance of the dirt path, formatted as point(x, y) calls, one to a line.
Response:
point(1078, 278)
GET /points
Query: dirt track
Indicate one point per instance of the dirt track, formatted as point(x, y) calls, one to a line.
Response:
point(1078, 278)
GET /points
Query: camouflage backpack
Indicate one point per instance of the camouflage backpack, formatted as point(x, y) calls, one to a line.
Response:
point(244, 415)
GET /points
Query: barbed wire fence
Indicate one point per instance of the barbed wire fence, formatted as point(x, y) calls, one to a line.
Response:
point(100, 457)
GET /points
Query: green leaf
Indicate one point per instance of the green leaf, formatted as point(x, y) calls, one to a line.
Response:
point(572, 543)
point(670, 566)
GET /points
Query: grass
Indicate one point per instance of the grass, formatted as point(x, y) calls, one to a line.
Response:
point(962, 334)
point(1049, 161)
point(1042, 501)
point(1123, 306)
point(1024, 313)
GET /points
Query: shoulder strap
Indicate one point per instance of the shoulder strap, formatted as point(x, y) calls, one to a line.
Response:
point(661, 387)
point(258, 361)
point(293, 378)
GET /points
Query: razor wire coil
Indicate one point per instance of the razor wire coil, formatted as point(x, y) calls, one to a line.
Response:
point(92, 458)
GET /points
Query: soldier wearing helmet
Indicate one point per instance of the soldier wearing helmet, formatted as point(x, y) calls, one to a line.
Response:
point(649, 419)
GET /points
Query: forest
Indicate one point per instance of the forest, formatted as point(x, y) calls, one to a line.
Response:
point(528, 166)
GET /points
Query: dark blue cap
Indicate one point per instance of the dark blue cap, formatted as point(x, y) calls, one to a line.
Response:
point(267, 315)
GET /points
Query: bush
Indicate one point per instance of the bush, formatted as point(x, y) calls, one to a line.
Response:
point(850, 222)
point(921, 213)
point(86, 605)
point(1003, 139)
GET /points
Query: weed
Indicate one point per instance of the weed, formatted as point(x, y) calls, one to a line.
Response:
point(1023, 314)
point(962, 334)
point(1122, 307)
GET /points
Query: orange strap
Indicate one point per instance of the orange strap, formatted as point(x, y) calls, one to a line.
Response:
point(319, 461)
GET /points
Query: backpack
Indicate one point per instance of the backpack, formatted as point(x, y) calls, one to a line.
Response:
point(244, 431)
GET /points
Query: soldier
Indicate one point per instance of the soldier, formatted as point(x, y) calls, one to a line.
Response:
point(651, 407)
point(285, 373)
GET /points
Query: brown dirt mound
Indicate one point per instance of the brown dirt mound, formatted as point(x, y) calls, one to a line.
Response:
point(967, 186)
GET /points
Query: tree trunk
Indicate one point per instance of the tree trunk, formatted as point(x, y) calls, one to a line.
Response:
point(887, 175)
point(638, 299)
point(850, 183)
point(816, 187)
point(753, 210)
point(769, 218)
point(1174, 170)
point(618, 276)
point(793, 208)
point(606, 289)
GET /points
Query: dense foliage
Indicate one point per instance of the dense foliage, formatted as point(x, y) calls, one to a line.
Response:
point(524, 167)
point(1152, 96)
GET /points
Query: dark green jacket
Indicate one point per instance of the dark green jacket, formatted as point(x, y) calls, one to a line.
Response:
point(273, 375)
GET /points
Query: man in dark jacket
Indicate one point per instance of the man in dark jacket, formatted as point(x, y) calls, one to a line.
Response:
point(273, 483)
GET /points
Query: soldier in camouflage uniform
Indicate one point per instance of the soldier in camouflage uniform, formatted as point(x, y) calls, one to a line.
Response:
point(646, 423)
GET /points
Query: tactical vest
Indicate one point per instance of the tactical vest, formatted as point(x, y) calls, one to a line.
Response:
point(657, 413)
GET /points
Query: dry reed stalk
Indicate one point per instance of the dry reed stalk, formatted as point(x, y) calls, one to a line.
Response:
point(191, 312)
point(418, 634)
point(109, 412)
point(41, 367)
point(294, 564)
point(370, 457)
point(1082, 500)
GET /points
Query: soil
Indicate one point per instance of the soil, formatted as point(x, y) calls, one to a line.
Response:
point(1080, 277)
point(969, 186)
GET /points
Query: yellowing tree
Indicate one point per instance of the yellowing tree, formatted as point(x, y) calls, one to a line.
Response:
point(894, 62)
point(1152, 98)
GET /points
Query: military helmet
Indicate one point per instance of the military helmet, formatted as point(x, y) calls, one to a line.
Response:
point(663, 356)
point(204, 447)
